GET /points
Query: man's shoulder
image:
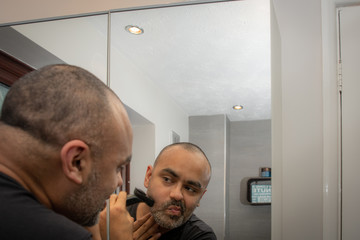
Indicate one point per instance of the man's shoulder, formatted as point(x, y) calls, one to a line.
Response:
point(195, 228)
point(196, 221)
point(21, 210)
point(132, 209)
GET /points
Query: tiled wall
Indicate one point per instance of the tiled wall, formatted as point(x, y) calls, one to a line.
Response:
point(250, 149)
point(236, 151)
point(209, 132)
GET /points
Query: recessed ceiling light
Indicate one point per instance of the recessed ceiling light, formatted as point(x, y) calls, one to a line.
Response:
point(134, 29)
point(238, 107)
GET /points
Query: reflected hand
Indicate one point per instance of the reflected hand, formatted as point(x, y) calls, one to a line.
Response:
point(121, 223)
point(146, 227)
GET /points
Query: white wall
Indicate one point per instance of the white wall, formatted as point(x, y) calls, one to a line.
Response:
point(71, 39)
point(143, 154)
point(141, 94)
point(309, 149)
point(302, 120)
point(330, 111)
point(276, 128)
point(350, 118)
point(22, 10)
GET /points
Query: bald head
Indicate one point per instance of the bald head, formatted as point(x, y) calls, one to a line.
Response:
point(166, 152)
point(58, 103)
point(185, 145)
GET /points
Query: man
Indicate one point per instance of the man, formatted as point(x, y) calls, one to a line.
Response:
point(64, 137)
point(177, 182)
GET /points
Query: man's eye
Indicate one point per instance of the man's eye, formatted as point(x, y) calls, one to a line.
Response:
point(167, 179)
point(191, 189)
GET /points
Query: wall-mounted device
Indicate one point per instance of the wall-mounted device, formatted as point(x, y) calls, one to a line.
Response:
point(259, 191)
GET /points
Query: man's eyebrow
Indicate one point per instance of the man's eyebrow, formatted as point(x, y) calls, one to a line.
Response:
point(194, 183)
point(170, 171)
point(174, 174)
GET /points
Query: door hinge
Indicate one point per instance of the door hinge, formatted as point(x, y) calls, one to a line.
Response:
point(339, 76)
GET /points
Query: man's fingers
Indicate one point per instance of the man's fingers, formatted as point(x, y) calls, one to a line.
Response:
point(121, 199)
point(120, 205)
point(141, 221)
point(112, 199)
point(121, 223)
point(147, 229)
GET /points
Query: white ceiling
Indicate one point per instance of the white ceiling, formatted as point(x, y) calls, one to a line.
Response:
point(208, 57)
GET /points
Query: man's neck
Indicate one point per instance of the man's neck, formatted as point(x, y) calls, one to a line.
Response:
point(15, 162)
point(7, 171)
point(26, 183)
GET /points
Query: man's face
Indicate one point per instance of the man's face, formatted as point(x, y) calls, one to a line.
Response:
point(105, 177)
point(176, 183)
point(86, 204)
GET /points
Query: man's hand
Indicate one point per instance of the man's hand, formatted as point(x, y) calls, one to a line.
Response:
point(146, 227)
point(121, 223)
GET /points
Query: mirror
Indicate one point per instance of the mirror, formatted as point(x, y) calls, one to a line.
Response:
point(203, 55)
point(79, 41)
point(166, 75)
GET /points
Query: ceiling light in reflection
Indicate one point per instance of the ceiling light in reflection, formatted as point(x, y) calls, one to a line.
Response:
point(134, 29)
point(237, 107)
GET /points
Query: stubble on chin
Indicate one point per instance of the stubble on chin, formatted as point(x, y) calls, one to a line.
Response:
point(164, 219)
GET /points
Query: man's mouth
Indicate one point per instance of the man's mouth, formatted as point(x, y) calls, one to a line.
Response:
point(174, 210)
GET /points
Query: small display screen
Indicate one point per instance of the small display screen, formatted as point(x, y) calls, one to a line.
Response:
point(260, 193)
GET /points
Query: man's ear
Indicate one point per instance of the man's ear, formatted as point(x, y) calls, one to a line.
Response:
point(75, 159)
point(148, 176)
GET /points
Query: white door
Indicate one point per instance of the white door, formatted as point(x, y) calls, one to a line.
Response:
point(349, 19)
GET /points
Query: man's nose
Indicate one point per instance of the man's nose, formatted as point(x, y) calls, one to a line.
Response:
point(176, 192)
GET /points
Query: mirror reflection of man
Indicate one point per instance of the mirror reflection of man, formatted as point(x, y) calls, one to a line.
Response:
point(177, 182)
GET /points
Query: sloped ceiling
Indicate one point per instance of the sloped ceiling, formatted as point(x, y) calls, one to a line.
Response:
point(207, 57)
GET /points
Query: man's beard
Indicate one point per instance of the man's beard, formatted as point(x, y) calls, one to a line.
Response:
point(170, 221)
point(84, 206)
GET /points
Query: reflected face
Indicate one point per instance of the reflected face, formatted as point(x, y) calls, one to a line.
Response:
point(176, 183)
point(86, 204)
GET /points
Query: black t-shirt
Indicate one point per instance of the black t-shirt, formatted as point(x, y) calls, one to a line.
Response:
point(22, 216)
point(193, 229)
